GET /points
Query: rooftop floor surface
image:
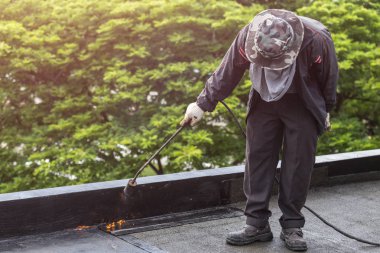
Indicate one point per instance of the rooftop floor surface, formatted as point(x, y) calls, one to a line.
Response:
point(354, 208)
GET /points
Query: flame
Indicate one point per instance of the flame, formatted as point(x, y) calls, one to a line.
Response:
point(82, 228)
point(109, 226)
point(121, 223)
point(115, 225)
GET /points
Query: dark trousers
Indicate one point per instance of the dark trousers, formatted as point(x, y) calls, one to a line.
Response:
point(271, 125)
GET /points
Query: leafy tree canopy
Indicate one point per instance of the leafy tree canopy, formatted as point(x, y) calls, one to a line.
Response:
point(89, 89)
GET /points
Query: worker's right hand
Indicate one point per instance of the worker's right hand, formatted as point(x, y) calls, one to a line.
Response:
point(193, 114)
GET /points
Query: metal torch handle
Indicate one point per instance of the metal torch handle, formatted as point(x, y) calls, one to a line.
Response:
point(132, 182)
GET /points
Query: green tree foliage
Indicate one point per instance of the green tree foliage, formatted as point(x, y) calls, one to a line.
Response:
point(355, 26)
point(89, 89)
point(278, 4)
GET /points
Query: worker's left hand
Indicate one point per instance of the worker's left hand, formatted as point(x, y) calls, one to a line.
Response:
point(327, 123)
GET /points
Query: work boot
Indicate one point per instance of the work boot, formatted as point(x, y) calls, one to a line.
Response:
point(250, 234)
point(293, 238)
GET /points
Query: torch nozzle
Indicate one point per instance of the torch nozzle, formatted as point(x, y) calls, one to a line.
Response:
point(131, 183)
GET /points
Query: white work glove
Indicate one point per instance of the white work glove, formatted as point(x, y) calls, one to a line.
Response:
point(193, 114)
point(327, 122)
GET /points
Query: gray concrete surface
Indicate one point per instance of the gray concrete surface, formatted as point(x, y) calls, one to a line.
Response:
point(353, 207)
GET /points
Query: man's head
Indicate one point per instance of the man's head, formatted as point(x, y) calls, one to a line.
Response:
point(274, 39)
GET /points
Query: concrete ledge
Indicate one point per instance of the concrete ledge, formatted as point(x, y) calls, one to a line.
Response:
point(58, 208)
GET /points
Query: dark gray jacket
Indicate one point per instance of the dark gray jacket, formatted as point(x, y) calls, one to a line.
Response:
point(315, 79)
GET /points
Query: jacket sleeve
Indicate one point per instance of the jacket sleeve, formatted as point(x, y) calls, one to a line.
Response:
point(225, 78)
point(325, 67)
